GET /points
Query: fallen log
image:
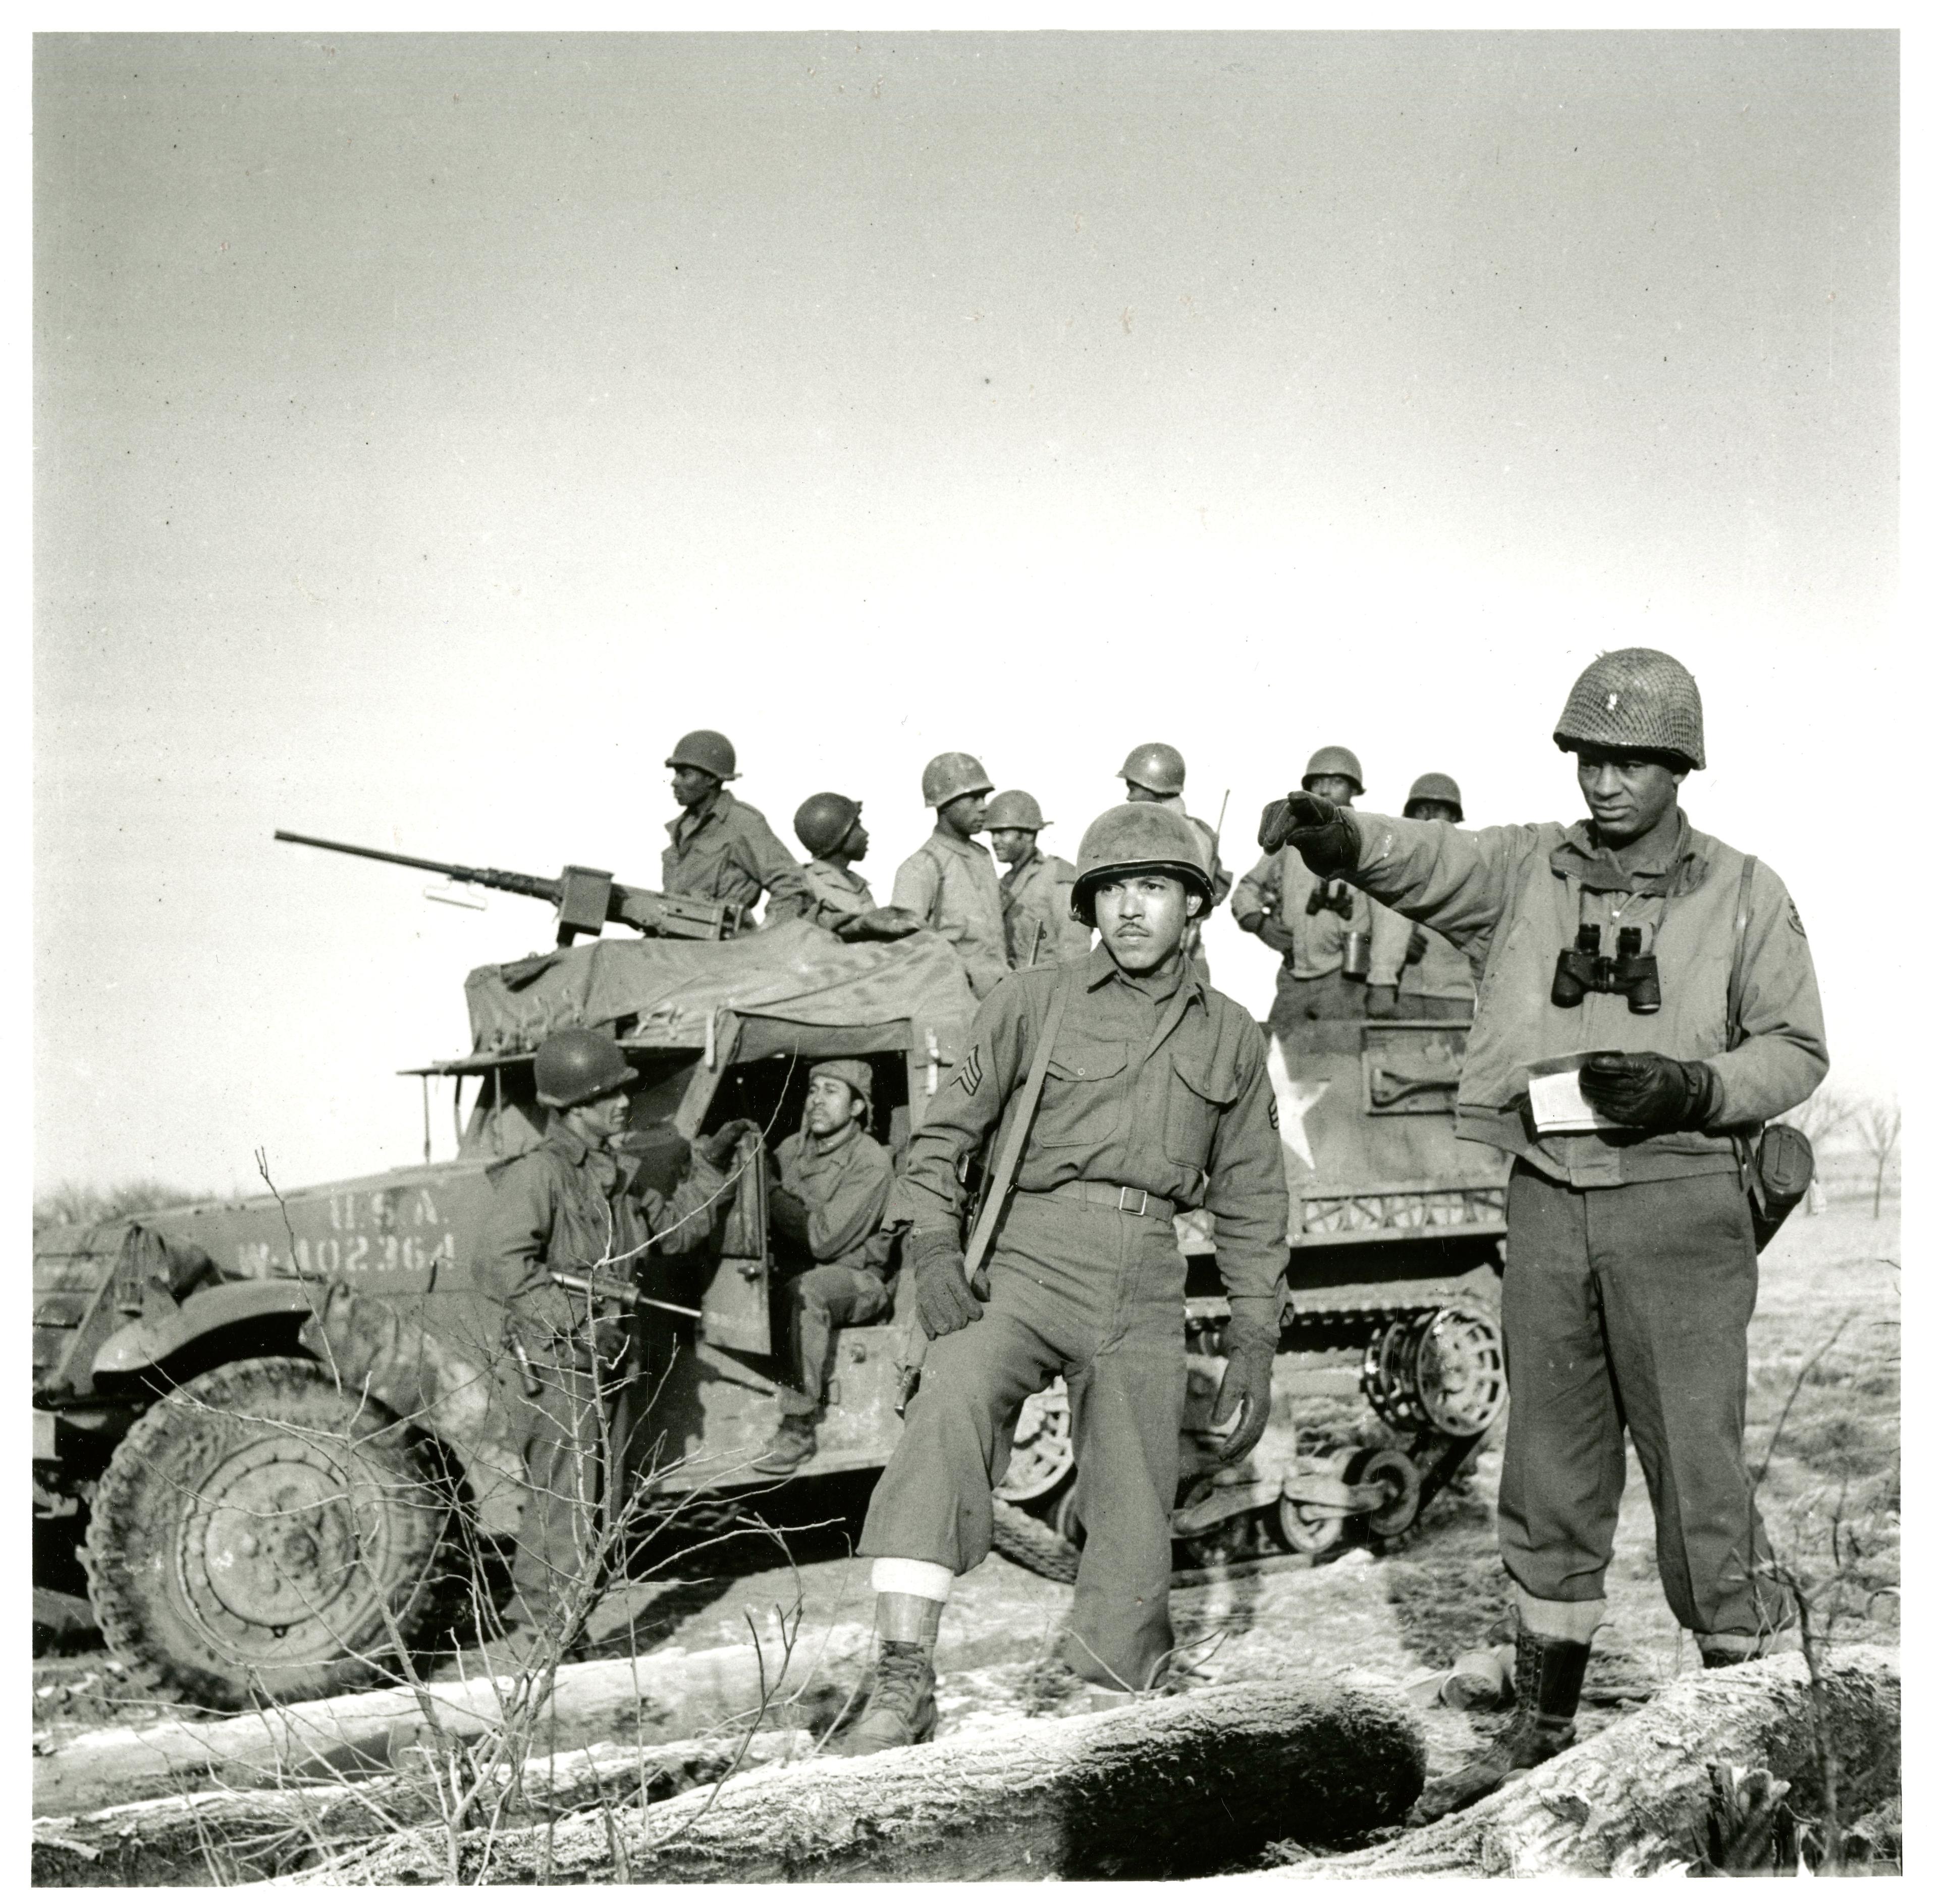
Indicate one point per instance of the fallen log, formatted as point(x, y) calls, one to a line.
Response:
point(656, 1694)
point(1166, 1788)
point(1640, 1798)
point(224, 1837)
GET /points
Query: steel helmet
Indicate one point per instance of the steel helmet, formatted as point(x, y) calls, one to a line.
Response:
point(1335, 760)
point(574, 1066)
point(1016, 808)
point(711, 753)
point(1442, 787)
point(854, 1072)
point(1154, 765)
point(1138, 837)
point(950, 775)
point(1636, 698)
point(822, 820)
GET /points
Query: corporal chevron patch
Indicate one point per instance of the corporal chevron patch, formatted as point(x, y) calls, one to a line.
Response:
point(969, 1073)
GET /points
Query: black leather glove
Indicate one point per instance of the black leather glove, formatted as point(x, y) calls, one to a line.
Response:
point(1383, 1001)
point(1417, 945)
point(1276, 934)
point(944, 1298)
point(718, 1149)
point(787, 1214)
point(1320, 830)
point(660, 1155)
point(1246, 1391)
point(1648, 1090)
point(1251, 921)
point(883, 923)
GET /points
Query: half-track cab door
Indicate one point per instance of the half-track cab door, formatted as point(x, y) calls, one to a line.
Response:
point(734, 1312)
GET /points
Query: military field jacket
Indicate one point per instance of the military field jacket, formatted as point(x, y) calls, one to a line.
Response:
point(1036, 912)
point(845, 1190)
point(834, 893)
point(1279, 887)
point(729, 852)
point(1168, 1095)
point(1511, 897)
point(1443, 972)
point(564, 1205)
point(950, 885)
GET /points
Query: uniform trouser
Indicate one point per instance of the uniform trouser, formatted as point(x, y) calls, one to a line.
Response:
point(558, 1528)
point(1298, 1001)
point(1096, 1296)
point(828, 1297)
point(1629, 1307)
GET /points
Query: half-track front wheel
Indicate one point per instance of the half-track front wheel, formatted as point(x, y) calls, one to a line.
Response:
point(259, 1535)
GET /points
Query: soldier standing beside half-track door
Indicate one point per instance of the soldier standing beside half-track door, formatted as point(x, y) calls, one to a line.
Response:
point(1649, 1001)
point(568, 1206)
point(1154, 1095)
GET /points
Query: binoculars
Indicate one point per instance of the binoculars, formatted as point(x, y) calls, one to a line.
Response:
point(1583, 967)
point(1330, 896)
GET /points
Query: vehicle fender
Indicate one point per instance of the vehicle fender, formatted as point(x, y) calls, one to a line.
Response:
point(153, 1339)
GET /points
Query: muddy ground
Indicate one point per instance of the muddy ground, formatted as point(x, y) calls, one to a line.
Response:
point(1824, 1357)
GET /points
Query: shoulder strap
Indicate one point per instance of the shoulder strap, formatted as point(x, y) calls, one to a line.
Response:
point(1010, 1152)
point(1739, 938)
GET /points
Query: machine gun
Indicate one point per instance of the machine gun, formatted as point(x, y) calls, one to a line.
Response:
point(586, 898)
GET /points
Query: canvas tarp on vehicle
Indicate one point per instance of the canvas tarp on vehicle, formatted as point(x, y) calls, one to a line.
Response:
point(665, 990)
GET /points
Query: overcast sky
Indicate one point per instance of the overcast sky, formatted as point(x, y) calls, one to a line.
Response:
point(430, 429)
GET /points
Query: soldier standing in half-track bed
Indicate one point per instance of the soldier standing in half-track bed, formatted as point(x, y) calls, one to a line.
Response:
point(948, 883)
point(1036, 890)
point(1628, 1089)
point(573, 1206)
point(1134, 1091)
point(1154, 773)
point(829, 825)
point(717, 847)
point(1418, 973)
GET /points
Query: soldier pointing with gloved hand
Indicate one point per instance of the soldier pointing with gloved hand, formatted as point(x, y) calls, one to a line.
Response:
point(1648, 1001)
point(1131, 1091)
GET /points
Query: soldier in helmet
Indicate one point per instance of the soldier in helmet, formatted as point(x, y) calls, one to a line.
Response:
point(1037, 917)
point(1416, 973)
point(1153, 773)
point(948, 883)
point(1155, 1097)
point(829, 825)
point(826, 1213)
point(719, 847)
point(1631, 1270)
point(1312, 923)
point(574, 1204)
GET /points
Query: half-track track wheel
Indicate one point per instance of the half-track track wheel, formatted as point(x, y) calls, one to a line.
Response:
point(1443, 1371)
point(261, 1535)
point(1018, 1535)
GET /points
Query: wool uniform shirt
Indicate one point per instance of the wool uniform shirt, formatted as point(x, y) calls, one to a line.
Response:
point(845, 1184)
point(950, 885)
point(726, 851)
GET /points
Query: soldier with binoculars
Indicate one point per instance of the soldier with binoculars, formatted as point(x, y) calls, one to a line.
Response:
point(1661, 981)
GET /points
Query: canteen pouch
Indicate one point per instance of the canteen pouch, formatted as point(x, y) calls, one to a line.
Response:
point(1777, 1166)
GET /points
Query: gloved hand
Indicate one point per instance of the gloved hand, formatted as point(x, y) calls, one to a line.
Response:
point(1417, 945)
point(1383, 1001)
point(718, 1149)
point(1648, 1090)
point(943, 1298)
point(787, 1214)
point(1276, 934)
point(1320, 830)
point(660, 1155)
point(1246, 1391)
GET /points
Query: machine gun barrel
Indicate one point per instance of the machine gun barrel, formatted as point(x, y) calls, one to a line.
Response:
point(584, 897)
point(528, 885)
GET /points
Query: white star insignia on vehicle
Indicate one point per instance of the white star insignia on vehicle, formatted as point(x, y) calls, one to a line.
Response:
point(1295, 1096)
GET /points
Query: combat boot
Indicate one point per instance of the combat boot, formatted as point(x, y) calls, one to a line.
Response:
point(1547, 1689)
point(901, 1700)
point(794, 1443)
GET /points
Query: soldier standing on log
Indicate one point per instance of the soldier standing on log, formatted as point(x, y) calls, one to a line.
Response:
point(573, 1205)
point(1626, 1089)
point(1153, 1095)
point(1416, 973)
point(718, 847)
